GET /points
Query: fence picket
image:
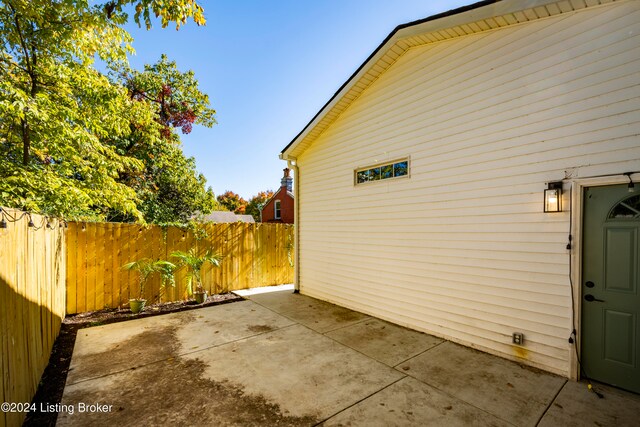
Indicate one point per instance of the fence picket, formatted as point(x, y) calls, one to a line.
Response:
point(254, 255)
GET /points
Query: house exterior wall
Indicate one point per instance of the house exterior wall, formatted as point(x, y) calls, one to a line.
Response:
point(286, 208)
point(461, 249)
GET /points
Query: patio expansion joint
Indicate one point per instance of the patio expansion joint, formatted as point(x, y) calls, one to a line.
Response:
point(417, 354)
point(463, 400)
point(350, 324)
point(284, 314)
point(235, 340)
point(178, 355)
point(361, 400)
point(324, 334)
point(456, 397)
point(551, 402)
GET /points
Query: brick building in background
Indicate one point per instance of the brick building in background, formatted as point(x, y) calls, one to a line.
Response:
point(279, 208)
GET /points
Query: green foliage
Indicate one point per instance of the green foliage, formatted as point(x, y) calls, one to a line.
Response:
point(61, 121)
point(52, 109)
point(167, 10)
point(169, 187)
point(147, 267)
point(174, 95)
point(177, 191)
point(194, 264)
point(256, 204)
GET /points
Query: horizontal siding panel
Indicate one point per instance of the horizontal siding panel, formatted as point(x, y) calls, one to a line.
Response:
point(460, 248)
point(544, 278)
point(377, 260)
point(399, 252)
point(517, 249)
point(496, 95)
point(483, 278)
point(422, 279)
point(555, 227)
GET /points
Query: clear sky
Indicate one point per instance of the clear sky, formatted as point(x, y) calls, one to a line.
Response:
point(268, 67)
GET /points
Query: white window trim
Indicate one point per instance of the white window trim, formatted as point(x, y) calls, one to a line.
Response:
point(277, 209)
point(380, 164)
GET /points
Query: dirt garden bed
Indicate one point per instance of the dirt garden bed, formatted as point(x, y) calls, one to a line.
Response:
point(54, 377)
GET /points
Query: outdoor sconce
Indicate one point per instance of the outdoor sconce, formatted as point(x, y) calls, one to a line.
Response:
point(630, 187)
point(553, 197)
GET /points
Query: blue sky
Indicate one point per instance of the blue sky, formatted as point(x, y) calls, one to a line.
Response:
point(268, 67)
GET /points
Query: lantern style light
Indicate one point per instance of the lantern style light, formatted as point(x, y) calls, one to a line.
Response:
point(631, 186)
point(553, 197)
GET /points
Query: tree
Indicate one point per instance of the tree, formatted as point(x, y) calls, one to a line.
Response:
point(174, 96)
point(257, 202)
point(175, 191)
point(232, 202)
point(57, 110)
point(168, 186)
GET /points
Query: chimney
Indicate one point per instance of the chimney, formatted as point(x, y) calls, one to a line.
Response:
point(287, 181)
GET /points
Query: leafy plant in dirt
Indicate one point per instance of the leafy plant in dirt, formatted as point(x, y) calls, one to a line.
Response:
point(194, 263)
point(145, 268)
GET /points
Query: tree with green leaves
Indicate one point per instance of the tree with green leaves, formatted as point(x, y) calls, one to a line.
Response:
point(168, 186)
point(257, 202)
point(59, 115)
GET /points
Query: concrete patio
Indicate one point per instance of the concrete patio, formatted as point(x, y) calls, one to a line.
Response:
point(287, 359)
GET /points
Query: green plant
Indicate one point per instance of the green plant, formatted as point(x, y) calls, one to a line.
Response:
point(194, 264)
point(147, 267)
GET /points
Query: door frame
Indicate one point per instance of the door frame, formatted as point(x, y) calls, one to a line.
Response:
point(577, 207)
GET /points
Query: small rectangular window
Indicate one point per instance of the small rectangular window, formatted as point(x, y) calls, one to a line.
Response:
point(396, 169)
point(375, 174)
point(276, 207)
point(401, 168)
point(362, 176)
point(387, 171)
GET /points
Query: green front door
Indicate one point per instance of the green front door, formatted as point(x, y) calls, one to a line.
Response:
point(611, 286)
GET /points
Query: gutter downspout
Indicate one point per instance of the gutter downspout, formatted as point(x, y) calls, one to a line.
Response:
point(292, 164)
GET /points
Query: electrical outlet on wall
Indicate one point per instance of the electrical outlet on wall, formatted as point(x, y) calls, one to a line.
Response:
point(518, 338)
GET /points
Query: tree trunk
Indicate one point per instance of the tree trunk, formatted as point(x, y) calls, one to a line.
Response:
point(26, 142)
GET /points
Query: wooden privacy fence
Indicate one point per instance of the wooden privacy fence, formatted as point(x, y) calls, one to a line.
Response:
point(254, 255)
point(32, 303)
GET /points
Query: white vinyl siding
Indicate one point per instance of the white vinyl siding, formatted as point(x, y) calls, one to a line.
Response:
point(463, 250)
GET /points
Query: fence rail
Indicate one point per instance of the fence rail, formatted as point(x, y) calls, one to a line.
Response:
point(254, 255)
point(32, 303)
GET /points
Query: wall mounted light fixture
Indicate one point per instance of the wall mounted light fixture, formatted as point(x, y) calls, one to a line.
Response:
point(630, 187)
point(553, 197)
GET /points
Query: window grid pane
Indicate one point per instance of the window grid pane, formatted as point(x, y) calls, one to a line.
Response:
point(389, 170)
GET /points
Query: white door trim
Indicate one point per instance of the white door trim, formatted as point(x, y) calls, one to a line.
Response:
point(577, 188)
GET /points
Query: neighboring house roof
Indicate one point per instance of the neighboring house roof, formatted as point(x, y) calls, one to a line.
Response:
point(474, 18)
point(246, 218)
point(225, 216)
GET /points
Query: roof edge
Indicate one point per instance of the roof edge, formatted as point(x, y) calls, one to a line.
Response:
point(445, 14)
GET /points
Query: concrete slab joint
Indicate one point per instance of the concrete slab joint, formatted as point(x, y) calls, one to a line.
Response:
point(287, 359)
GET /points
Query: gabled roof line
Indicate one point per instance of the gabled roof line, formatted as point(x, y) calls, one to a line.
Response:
point(472, 19)
point(377, 50)
point(274, 196)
